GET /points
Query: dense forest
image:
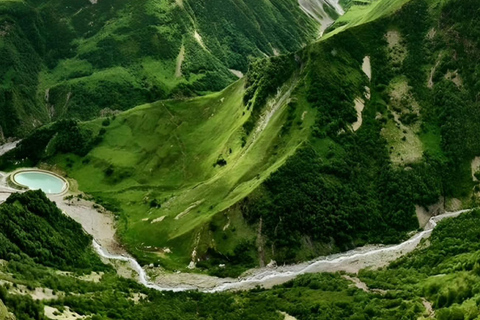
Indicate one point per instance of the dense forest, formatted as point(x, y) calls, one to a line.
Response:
point(33, 228)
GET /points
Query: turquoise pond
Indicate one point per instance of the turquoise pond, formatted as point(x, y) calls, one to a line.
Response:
point(48, 183)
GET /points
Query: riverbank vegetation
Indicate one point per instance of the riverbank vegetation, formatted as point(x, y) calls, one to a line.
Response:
point(436, 280)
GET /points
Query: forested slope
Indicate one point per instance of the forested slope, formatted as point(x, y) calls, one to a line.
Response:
point(82, 59)
point(415, 144)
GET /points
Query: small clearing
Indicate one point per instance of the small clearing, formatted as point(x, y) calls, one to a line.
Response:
point(453, 204)
point(225, 227)
point(475, 167)
point(239, 74)
point(179, 3)
point(160, 219)
point(36, 294)
point(393, 38)
point(186, 211)
point(432, 210)
point(422, 215)
point(287, 316)
point(397, 51)
point(67, 314)
point(454, 77)
point(367, 68)
point(359, 106)
point(428, 307)
point(367, 93)
point(136, 297)
point(94, 277)
point(357, 282)
point(405, 145)
point(199, 39)
point(304, 114)
point(431, 33)
point(180, 58)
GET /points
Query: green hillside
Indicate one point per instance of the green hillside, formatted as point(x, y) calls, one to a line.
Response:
point(312, 153)
point(85, 58)
point(323, 146)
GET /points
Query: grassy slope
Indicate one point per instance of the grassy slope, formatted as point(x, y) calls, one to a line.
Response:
point(167, 151)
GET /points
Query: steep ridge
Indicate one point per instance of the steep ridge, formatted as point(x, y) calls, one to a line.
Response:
point(172, 168)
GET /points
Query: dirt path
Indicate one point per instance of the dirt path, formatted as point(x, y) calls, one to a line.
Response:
point(432, 72)
point(180, 58)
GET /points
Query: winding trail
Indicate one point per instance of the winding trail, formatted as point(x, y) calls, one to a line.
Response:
point(351, 261)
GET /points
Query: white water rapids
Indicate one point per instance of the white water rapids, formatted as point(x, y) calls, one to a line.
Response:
point(350, 261)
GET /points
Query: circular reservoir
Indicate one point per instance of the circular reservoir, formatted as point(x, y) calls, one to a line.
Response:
point(34, 180)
